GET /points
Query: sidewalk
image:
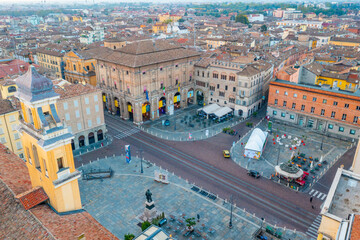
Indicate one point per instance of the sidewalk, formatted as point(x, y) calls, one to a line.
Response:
point(92, 147)
point(117, 203)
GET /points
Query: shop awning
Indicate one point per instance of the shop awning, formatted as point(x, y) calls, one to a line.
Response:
point(210, 108)
point(222, 111)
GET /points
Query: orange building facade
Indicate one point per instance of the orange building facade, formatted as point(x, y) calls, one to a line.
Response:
point(330, 111)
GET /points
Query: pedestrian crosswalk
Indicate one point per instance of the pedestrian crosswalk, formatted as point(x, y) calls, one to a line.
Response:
point(316, 194)
point(126, 133)
point(312, 230)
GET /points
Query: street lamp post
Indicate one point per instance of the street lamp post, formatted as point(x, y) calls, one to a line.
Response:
point(141, 162)
point(231, 207)
point(322, 139)
point(262, 223)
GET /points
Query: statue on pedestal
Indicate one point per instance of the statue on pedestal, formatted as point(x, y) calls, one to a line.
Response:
point(148, 196)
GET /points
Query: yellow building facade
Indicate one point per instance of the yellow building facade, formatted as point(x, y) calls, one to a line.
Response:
point(52, 60)
point(167, 17)
point(80, 67)
point(7, 88)
point(47, 143)
point(347, 42)
point(342, 84)
point(159, 27)
point(9, 122)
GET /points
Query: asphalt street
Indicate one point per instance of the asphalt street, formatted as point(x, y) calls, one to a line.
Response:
point(202, 163)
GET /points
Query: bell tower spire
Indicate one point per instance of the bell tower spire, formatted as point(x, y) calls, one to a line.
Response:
point(47, 143)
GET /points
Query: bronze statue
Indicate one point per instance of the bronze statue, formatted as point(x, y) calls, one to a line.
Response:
point(148, 196)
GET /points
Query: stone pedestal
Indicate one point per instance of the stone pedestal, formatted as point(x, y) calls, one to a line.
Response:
point(150, 211)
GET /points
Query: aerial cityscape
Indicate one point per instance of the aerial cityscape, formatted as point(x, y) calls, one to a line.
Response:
point(166, 120)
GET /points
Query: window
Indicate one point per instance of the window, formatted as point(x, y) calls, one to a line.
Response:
point(277, 91)
point(330, 126)
point(86, 100)
point(176, 65)
point(352, 131)
point(215, 75)
point(341, 129)
point(88, 111)
point(304, 97)
point(314, 99)
point(36, 157)
point(1, 131)
point(292, 116)
point(60, 163)
point(76, 103)
point(293, 106)
point(284, 104)
point(12, 118)
point(335, 103)
point(343, 117)
point(303, 107)
point(212, 88)
point(218, 86)
point(234, 89)
point(79, 126)
point(65, 106)
point(67, 116)
point(223, 77)
point(355, 119)
point(198, 73)
point(89, 123)
point(28, 155)
point(98, 121)
point(95, 98)
point(18, 145)
point(282, 114)
point(232, 78)
point(203, 74)
point(45, 167)
point(322, 112)
point(332, 114)
point(276, 102)
point(13, 127)
point(274, 112)
point(346, 105)
point(96, 108)
point(324, 101)
point(231, 100)
point(357, 107)
point(295, 95)
point(222, 94)
point(285, 93)
point(226, 87)
point(77, 113)
point(16, 136)
point(74, 67)
point(312, 110)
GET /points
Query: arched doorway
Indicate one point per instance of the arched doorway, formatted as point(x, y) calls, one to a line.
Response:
point(91, 137)
point(177, 100)
point(190, 96)
point(131, 111)
point(72, 144)
point(104, 101)
point(162, 106)
point(117, 106)
point(200, 98)
point(145, 111)
point(81, 141)
point(100, 135)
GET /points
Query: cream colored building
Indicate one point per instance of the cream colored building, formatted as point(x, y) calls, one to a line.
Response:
point(340, 209)
point(81, 109)
point(9, 121)
point(147, 79)
point(242, 87)
point(7, 88)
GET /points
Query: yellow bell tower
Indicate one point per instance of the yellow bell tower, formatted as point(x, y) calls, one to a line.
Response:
point(47, 143)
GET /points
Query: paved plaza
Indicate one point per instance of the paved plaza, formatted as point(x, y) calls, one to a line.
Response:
point(185, 121)
point(291, 141)
point(117, 203)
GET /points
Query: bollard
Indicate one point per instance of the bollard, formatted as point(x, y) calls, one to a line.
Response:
point(82, 164)
point(90, 161)
point(294, 230)
point(114, 155)
point(87, 150)
point(97, 159)
point(186, 181)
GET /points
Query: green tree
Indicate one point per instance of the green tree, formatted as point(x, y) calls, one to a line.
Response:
point(263, 28)
point(190, 222)
point(242, 19)
point(129, 236)
point(145, 225)
point(232, 17)
point(185, 14)
point(149, 20)
point(181, 20)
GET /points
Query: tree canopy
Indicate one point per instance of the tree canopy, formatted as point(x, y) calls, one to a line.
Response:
point(242, 19)
point(263, 28)
point(149, 20)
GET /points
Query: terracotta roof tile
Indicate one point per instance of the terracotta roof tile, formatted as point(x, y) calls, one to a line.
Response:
point(355, 232)
point(33, 197)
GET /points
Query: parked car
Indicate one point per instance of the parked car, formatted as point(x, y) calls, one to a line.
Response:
point(253, 173)
point(226, 153)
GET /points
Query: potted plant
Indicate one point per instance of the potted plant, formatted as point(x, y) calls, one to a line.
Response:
point(190, 223)
point(129, 236)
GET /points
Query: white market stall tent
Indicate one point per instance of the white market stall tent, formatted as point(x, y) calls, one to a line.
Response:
point(256, 144)
point(208, 109)
point(224, 111)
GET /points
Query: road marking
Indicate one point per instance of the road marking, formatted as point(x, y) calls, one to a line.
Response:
point(312, 231)
point(322, 199)
point(311, 191)
point(127, 133)
point(318, 196)
point(315, 193)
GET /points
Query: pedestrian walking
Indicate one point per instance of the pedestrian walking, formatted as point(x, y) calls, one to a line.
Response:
point(312, 206)
point(239, 136)
point(311, 198)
